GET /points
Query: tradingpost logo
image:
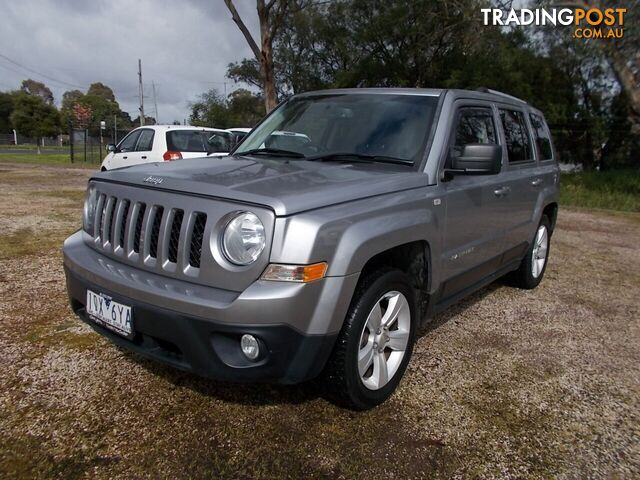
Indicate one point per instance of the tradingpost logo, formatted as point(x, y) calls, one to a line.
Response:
point(587, 22)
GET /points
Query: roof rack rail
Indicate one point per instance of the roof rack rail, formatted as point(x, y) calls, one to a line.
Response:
point(501, 94)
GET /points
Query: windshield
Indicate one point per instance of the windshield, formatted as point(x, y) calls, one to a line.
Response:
point(385, 125)
point(198, 141)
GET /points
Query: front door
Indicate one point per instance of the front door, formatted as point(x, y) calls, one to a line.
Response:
point(473, 237)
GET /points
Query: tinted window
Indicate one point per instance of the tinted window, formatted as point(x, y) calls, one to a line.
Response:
point(475, 125)
point(368, 124)
point(219, 142)
point(145, 142)
point(542, 137)
point(198, 141)
point(129, 142)
point(516, 135)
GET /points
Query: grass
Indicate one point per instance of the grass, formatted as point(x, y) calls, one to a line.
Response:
point(612, 190)
point(61, 159)
point(31, 146)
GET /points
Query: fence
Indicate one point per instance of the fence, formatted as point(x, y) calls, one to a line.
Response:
point(89, 144)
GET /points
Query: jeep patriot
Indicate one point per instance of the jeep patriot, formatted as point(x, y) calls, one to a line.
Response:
point(337, 227)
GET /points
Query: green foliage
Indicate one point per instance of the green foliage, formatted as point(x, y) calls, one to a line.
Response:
point(360, 43)
point(33, 117)
point(6, 107)
point(240, 109)
point(39, 89)
point(613, 190)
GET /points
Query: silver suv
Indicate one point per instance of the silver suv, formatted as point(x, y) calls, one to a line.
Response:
point(339, 225)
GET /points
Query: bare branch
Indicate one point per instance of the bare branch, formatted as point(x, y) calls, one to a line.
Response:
point(243, 28)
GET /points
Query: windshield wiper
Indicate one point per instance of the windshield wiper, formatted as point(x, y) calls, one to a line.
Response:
point(271, 152)
point(358, 157)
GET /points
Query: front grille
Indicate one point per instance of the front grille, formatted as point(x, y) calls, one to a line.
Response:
point(124, 226)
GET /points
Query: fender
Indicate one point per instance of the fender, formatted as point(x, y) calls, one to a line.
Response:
point(347, 236)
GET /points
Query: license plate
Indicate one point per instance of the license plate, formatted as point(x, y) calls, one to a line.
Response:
point(113, 315)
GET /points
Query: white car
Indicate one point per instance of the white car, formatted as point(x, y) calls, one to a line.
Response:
point(238, 134)
point(157, 143)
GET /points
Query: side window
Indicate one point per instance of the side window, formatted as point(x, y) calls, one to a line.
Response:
point(219, 142)
point(475, 125)
point(519, 146)
point(542, 137)
point(145, 143)
point(128, 143)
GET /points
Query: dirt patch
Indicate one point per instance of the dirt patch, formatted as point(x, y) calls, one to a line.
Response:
point(506, 384)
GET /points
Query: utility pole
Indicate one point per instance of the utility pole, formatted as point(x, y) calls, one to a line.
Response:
point(155, 102)
point(115, 129)
point(141, 92)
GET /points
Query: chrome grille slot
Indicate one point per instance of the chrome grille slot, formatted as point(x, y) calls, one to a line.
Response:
point(138, 228)
point(107, 220)
point(123, 223)
point(113, 220)
point(97, 224)
point(197, 234)
point(174, 238)
point(154, 234)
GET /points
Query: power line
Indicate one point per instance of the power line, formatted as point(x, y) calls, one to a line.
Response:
point(39, 73)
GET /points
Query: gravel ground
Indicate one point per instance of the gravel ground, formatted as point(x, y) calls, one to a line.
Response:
point(506, 384)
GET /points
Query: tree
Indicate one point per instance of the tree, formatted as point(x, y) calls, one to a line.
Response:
point(99, 89)
point(271, 15)
point(33, 117)
point(240, 109)
point(6, 107)
point(39, 89)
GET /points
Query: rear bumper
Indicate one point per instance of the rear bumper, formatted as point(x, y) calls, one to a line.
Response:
point(198, 329)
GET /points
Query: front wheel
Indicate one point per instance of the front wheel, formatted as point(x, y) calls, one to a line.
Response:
point(376, 341)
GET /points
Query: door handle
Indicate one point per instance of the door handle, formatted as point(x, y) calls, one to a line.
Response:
point(502, 191)
point(144, 157)
point(125, 157)
point(536, 182)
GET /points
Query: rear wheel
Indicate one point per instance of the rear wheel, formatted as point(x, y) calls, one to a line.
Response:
point(534, 264)
point(376, 341)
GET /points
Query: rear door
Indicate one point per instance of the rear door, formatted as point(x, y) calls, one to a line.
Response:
point(520, 177)
point(144, 147)
point(473, 241)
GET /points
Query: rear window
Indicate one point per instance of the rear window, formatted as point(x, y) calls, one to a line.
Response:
point(198, 141)
point(542, 137)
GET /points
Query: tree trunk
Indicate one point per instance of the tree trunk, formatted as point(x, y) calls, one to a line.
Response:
point(38, 140)
point(266, 67)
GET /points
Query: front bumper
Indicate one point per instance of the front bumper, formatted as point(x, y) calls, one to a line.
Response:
point(198, 328)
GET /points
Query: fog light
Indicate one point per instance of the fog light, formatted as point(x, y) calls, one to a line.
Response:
point(249, 346)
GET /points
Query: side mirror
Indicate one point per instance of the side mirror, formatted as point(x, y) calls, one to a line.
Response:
point(477, 159)
point(111, 147)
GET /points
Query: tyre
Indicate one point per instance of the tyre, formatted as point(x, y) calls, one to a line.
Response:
point(531, 270)
point(376, 341)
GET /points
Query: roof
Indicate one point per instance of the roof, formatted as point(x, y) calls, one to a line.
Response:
point(482, 93)
point(181, 127)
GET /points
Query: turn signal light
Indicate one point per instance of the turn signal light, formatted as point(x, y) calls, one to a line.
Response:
point(171, 155)
point(295, 273)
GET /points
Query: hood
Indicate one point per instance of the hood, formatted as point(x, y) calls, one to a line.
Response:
point(285, 186)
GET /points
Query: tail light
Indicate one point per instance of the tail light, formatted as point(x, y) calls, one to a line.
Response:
point(171, 155)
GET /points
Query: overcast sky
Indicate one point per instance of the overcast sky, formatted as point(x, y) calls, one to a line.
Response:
point(185, 46)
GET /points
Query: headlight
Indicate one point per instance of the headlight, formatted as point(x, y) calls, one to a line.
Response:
point(89, 210)
point(243, 239)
